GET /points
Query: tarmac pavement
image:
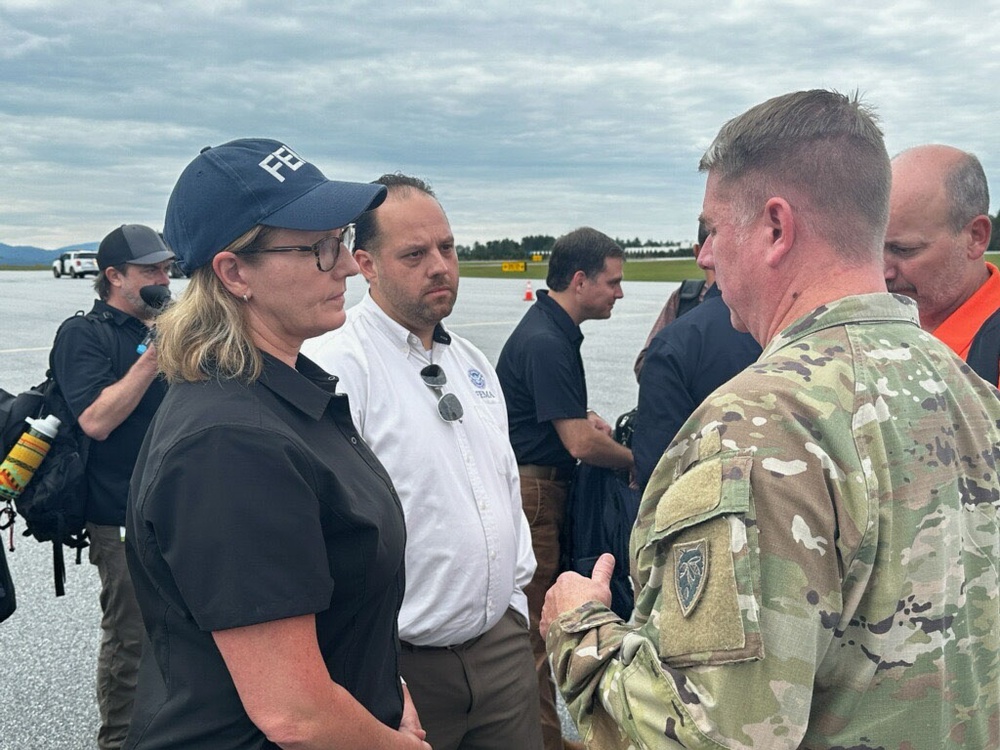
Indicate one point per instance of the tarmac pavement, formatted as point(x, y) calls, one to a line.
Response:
point(48, 648)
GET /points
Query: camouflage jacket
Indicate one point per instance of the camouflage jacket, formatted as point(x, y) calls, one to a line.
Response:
point(815, 557)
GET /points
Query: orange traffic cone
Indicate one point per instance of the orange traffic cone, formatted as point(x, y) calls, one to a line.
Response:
point(529, 296)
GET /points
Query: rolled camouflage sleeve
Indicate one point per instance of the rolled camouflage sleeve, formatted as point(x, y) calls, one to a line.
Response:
point(616, 689)
point(582, 646)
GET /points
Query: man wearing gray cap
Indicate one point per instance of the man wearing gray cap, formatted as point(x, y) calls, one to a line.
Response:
point(113, 391)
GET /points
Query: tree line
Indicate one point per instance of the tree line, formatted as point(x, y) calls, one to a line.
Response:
point(541, 244)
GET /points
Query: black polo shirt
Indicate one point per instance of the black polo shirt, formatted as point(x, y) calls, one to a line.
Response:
point(83, 367)
point(254, 503)
point(541, 374)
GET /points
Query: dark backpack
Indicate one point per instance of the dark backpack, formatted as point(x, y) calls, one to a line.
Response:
point(600, 512)
point(53, 504)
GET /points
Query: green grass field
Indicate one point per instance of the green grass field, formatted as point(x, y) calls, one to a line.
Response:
point(658, 269)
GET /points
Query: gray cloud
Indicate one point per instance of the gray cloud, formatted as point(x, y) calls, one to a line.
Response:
point(526, 119)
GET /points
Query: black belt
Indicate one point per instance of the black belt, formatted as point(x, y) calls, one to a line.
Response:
point(551, 473)
point(413, 648)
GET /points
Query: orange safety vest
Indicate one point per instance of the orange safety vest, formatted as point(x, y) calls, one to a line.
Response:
point(963, 326)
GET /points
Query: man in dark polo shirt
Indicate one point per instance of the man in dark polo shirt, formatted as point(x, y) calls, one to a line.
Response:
point(685, 362)
point(113, 391)
point(541, 374)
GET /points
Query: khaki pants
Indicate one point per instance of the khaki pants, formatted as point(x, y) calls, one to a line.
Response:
point(544, 503)
point(121, 636)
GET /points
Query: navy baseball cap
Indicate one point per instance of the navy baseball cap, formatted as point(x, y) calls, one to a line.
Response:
point(229, 189)
point(132, 243)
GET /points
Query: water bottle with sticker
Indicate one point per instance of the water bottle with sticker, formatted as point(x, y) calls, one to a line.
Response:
point(27, 455)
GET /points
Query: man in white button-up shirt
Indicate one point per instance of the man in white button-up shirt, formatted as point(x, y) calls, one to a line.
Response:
point(430, 406)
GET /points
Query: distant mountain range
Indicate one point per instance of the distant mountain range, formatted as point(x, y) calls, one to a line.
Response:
point(25, 255)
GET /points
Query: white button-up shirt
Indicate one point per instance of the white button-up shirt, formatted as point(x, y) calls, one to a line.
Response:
point(468, 546)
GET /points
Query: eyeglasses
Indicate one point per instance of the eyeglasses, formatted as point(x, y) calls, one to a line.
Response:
point(449, 407)
point(327, 250)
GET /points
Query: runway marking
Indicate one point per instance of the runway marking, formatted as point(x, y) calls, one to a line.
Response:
point(20, 351)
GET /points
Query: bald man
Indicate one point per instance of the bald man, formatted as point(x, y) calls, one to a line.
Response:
point(934, 251)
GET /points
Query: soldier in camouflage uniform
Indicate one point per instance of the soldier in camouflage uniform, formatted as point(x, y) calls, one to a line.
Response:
point(816, 553)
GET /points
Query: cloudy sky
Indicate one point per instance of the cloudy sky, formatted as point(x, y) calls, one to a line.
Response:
point(525, 119)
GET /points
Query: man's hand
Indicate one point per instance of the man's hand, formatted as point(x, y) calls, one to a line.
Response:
point(411, 722)
point(598, 423)
point(571, 590)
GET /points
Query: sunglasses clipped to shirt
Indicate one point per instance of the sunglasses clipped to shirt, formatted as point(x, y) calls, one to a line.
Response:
point(448, 406)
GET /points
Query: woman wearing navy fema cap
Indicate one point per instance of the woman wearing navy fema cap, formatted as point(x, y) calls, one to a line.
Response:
point(264, 538)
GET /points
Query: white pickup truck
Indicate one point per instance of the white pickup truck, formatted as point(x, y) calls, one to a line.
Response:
point(75, 263)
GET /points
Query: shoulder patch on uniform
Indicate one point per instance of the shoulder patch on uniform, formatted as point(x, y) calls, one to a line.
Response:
point(690, 573)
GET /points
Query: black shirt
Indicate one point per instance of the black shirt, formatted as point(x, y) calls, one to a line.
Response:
point(686, 360)
point(253, 503)
point(984, 351)
point(541, 374)
point(84, 367)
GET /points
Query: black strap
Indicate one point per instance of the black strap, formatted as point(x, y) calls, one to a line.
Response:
point(689, 296)
point(101, 320)
point(59, 568)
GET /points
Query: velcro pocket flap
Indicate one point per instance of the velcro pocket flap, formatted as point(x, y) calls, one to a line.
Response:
point(708, 489)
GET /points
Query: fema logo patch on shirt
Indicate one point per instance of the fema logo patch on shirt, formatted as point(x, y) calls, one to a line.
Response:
point(476, 378)
point(479, 386)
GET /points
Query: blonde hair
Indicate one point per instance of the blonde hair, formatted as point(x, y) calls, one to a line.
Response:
point(205, 334)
